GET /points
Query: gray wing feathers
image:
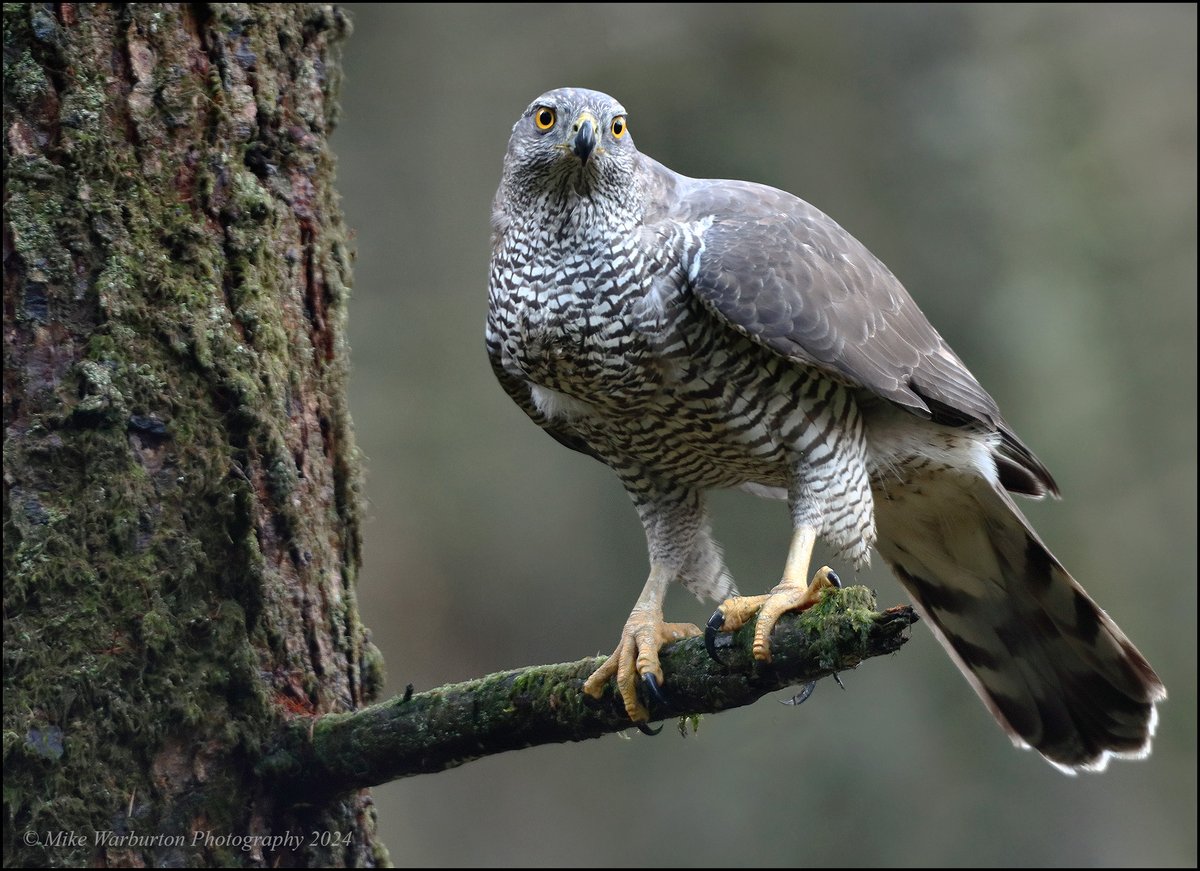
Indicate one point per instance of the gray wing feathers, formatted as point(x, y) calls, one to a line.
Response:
point(786, 275)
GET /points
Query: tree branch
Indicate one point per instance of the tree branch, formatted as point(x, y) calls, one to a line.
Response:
point(447, 726)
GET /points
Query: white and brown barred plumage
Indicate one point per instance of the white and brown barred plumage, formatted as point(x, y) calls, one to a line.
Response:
point(696, 334)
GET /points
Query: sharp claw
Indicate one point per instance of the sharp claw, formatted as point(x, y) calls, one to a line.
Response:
point(646, 730)
point(834, 579)
point(715, 622)
point(654, 690)
point(805, 692)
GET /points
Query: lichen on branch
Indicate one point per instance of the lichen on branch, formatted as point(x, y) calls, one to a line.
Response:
point(445, 727)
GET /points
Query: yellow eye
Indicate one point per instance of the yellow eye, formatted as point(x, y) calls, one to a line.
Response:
point(544, 118)
point(619, 127)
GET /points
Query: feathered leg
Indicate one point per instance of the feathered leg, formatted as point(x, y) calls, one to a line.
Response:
point(675, 526)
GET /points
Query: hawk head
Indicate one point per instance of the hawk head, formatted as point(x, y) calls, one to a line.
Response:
point(570, 141)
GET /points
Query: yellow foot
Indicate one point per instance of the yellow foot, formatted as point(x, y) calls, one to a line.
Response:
point(636, 658)
point(786, 596)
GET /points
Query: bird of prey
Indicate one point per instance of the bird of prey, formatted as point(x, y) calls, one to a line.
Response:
point(696, 334)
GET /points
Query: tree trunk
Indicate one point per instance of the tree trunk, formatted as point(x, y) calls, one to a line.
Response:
point(181, 519)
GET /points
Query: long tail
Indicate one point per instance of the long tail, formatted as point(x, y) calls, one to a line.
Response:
point(1051, 666)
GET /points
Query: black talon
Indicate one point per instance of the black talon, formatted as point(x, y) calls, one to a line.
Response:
point(715, 622)
point(654, 690)
point(834, 579)
point(800, 697)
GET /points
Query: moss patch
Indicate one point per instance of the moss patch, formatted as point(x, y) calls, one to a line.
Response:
point(176, 411)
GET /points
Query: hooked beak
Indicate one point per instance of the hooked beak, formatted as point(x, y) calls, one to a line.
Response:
point(583, 143)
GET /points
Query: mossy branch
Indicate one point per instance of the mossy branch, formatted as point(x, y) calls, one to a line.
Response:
point(447, 726)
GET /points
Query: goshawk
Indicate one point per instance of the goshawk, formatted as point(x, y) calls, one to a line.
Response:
point(696, 333)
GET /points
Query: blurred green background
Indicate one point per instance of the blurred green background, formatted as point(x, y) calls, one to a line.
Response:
point(1028, 172)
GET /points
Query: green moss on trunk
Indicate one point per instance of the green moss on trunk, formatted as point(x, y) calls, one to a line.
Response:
point(180, 493)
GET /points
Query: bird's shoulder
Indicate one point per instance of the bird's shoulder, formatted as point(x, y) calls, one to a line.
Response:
point(783, 273)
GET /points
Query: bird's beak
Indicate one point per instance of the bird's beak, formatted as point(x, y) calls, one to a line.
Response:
point(583, 143)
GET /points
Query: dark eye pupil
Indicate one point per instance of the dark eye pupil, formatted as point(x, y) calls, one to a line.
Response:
point(618, 127)
point(544, 117)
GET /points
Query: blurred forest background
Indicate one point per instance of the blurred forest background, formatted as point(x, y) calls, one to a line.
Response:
point(1029, 172)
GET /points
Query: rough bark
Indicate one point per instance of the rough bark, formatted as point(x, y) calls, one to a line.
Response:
point(181, 524)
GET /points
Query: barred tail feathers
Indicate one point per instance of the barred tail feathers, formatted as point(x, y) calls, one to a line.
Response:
point(1052, 667)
